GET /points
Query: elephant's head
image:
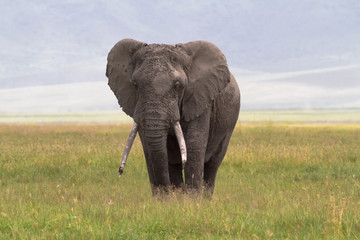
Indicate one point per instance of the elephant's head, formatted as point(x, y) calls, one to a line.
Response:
point(159, 85)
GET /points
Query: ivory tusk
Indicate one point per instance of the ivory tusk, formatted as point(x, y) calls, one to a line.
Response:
point(181, 141)
point(128, 145)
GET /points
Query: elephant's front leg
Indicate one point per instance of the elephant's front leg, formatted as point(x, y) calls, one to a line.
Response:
point(196, 138)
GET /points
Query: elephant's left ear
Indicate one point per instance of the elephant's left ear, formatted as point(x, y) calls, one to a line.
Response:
point(208, 74)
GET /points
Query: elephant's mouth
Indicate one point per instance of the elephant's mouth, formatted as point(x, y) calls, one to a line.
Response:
point(179, 136)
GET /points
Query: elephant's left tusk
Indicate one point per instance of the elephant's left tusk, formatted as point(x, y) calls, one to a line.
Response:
point(128, 145)
point(181, 141)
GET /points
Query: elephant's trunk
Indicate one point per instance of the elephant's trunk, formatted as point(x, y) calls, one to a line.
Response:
point(154, 124)
point(154, 141)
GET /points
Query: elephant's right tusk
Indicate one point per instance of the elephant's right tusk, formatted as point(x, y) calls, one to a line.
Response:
point(181, 141)
point(128, 145)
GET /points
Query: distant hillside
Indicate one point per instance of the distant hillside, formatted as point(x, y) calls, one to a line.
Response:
point(320, 88)
point(306, 90)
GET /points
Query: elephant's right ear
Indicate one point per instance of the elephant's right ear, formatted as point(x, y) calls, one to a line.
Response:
point(119, 70)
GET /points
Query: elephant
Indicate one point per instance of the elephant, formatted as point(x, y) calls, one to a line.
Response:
point(184, 103)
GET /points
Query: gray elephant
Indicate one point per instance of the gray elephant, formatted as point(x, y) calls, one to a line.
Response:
point(184, 103)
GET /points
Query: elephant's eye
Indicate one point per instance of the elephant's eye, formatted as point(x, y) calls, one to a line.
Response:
point(177, 85)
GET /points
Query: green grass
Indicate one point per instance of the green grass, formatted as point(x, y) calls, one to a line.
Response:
point(277, 181)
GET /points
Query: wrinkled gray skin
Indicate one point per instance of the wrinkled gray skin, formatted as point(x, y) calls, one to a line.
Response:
point(160, 84)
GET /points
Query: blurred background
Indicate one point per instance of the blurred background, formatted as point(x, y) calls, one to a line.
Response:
point(284, 54)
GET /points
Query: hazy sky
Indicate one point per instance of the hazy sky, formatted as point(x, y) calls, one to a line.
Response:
point(273, 47)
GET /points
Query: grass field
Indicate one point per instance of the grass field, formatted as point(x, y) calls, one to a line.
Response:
point(277, 181)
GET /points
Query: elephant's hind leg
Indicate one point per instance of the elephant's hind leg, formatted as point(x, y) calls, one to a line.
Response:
point(175, 172)
point(211, 167)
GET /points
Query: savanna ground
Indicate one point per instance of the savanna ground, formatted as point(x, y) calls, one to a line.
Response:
point(277, 181)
